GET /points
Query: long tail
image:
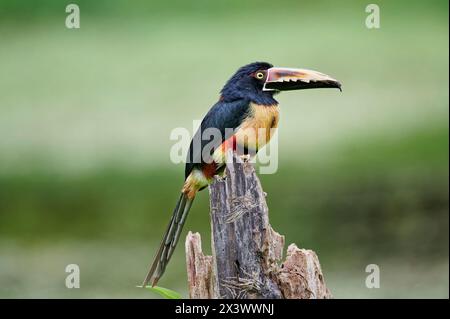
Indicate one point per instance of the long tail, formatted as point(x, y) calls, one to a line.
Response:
point(170, 240)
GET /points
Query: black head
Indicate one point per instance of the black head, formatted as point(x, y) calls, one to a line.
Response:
point(259, 81)
point(248, 83)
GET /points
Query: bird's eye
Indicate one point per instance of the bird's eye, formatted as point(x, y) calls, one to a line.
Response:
point(259, 75)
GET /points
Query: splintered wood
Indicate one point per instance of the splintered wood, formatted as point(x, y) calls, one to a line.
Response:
point(247, 253)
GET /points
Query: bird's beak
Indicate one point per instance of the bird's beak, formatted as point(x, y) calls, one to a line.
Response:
point(285, 79)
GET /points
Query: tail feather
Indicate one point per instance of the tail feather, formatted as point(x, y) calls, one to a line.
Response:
point(180, 228)
point(170, 240)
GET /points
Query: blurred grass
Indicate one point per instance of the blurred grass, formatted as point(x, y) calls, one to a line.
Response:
point(383, 186)
point(113, 269)
point(396, 217)
point(85, 118)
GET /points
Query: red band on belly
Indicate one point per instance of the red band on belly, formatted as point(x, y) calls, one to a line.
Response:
point(209, 170)
point(229, 143)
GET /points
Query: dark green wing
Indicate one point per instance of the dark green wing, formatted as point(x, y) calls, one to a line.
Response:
point(221, 116)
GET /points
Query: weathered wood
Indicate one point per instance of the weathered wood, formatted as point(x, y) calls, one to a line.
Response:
point(200, 279)
point(246, 251)
point(241, 234)
point(301, 276)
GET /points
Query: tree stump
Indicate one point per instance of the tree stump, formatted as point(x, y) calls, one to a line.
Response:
point(246, 251)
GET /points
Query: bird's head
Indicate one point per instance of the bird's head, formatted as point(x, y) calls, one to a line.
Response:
point(259, 81)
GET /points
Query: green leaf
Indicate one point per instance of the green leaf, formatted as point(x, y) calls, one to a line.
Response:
point(164, 292)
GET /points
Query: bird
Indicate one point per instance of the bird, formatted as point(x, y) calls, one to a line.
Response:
point(246, 105)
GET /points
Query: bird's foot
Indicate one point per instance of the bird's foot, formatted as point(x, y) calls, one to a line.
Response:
point(245, 157)
point(222, 177)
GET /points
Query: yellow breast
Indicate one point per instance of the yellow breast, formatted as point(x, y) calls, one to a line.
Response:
point(257, 130)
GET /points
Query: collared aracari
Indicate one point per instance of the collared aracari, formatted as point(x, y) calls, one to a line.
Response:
point(246, 105)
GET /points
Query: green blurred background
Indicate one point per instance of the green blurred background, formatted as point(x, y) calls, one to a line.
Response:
point(85, 119)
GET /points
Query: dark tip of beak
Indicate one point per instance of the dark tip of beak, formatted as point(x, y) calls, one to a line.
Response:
point(335, 84)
